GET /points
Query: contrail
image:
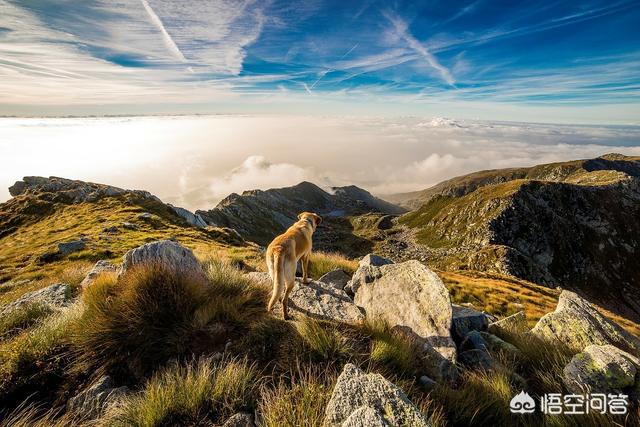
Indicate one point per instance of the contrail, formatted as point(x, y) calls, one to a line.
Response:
point(168, 41)
point(328, 70)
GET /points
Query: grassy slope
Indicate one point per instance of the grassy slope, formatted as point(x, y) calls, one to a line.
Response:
point(20, 249)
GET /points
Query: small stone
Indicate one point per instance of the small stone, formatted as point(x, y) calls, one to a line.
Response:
point(70, 247)
point(465, 320)
point(241, 419)
point(515, 322)
point(102, 266)
point(54, 297)
point(94, 401)
point(129, 226)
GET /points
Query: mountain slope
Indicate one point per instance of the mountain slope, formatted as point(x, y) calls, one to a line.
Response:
point(260, 215)
point(563, 171)
point(578, 230)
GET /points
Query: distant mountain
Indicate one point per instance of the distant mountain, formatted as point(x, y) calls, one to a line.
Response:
point(563, 171)
point(573, 224)
point(260, 215)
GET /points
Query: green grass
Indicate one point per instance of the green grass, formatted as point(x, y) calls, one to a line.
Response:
point(390, 351)
point(190, 394)
point(324, 262)
point(323, 339)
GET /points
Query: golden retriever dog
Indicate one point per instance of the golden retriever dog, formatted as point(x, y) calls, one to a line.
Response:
point(283, 254)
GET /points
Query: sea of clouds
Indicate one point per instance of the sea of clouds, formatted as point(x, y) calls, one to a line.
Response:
point(195, 161)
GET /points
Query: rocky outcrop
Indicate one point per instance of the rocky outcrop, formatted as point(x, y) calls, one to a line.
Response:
point(577, 324)
point(166, 253)
point(260, 215)
point(572, 225)
point(193, 219)
point(412, 298)
point(602, 369)
point(52, 297)
point(336, 278)
point(358, 398)
point(102, 266)
point(317, 299)
point(94, 401)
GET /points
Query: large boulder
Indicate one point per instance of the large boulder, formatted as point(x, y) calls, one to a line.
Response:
point(465, 320)
point(366, 272)
point(358, 397)
point(336, 278)
point(94, 401)
point(52, 297)
point(102, 266)
point(412, 298)
point(317, 299)
point(165, 253)
point(601, 369)
point(514, 323)
point(577, 324)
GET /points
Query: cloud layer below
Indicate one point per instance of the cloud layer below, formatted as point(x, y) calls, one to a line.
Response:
point(195, 161)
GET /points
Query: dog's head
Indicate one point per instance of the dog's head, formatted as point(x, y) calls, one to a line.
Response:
point(314, 219)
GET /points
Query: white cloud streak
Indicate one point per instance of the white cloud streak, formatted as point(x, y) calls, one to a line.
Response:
point(155, 20)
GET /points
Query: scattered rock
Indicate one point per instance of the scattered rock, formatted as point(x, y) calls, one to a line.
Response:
point(70, 247)
point(474, 341)
point(129, 226)
point(145, 215)
point(355, 389)
point(102, 266)
point(93, 402)
point(110, 230)
point(496, 344)
point(48, 257)
point(385, 223)
point(191, 218)
point(427, 382)
point(465, 320)
point(318, 300)
point(241, 419)
point(365, 416)
point(336, 278)
point(576, 323)
point(413, 298)
point(167, 253)
point(54, 296)
point(477, 359)
point(601, 369)
point(515, 322)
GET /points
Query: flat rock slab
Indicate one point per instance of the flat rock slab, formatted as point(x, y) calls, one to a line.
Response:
point(336, 278)
point(95, 400)
point(576, 323)
point(358, 398)
point(318, 300)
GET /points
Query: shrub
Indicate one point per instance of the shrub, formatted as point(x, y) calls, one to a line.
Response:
point(188, 394)
point(321, 263)
point(151, 315)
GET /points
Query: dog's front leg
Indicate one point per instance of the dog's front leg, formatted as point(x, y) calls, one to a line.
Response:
point(305, 268)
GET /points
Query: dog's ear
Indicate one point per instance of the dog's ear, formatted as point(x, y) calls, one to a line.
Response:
point(318, 218)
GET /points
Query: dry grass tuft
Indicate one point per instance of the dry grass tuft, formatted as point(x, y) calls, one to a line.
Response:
point(324, 262)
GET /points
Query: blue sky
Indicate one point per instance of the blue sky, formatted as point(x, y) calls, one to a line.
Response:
point(500, 60)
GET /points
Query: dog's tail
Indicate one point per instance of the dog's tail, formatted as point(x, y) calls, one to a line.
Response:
point(278, 280)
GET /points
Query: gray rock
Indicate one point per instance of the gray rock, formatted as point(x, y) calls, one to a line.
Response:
point(412, 297)
point(355, 389)
point(111, 230)
point(166, 253)
point(601, 369)
point(364, 274)
point(374, 260)
point(336, 278)
point(496, 344)
point(316, 299)
point(365, 416)
point(94, 401)
point(241, 419)
point(477, 359)
point(427, 382)
point(129, 226)
point(474, 341)
point(54, 297)
point(102, 266)
point(145, 215)
point(516, 322)
point(66, 248)
point(194, 219)
point(576, 323)
point(465, 320)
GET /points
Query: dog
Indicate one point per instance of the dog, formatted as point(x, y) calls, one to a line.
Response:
point(283, 254)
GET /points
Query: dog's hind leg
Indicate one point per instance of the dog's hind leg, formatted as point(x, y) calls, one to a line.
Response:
point(285, 299)
point(275, 269)
point(304, 261)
